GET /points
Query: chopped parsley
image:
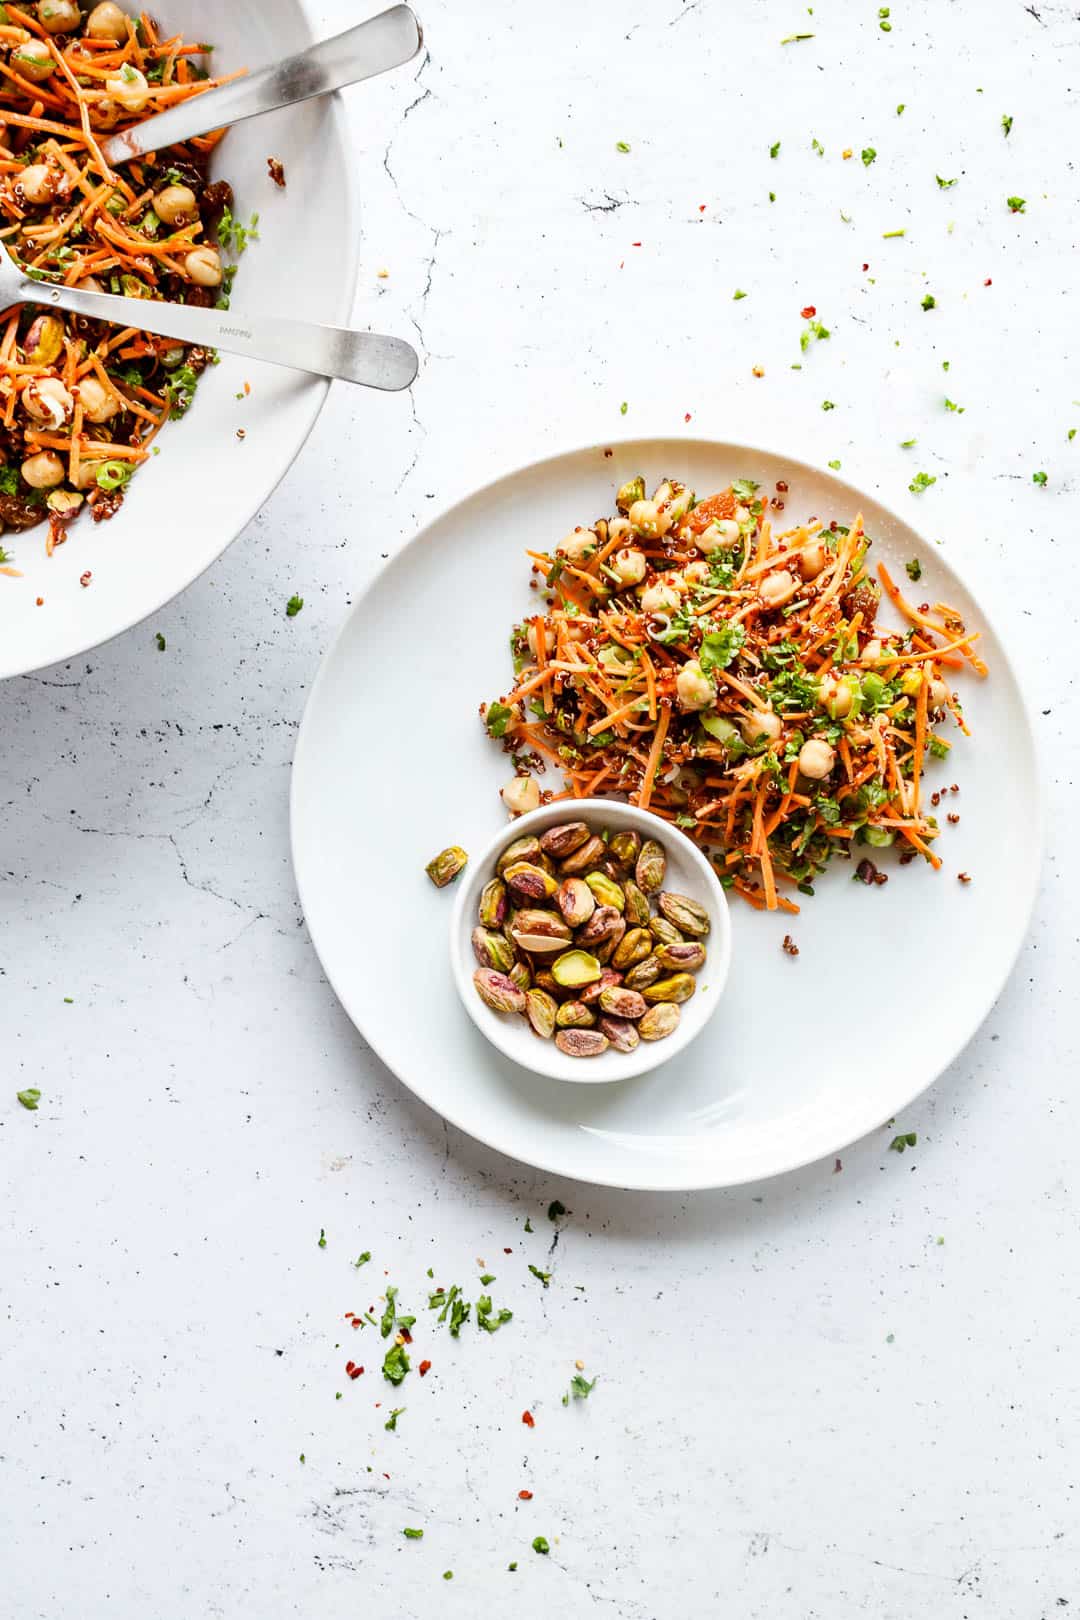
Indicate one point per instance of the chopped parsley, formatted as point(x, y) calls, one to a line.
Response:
point(496, 718)
point(362, 1259)
point(945, 185)
point(743, 489)
point(899, 1143)
point(395, 1364)
point(938, 747)
point(887, 236)
point(828, 405)
point(1038, 478)
point(868, 155)
point(412, 1534)
point(488, 1320)
point(234, 236)
point(951, 405)
point(914, 569)
point(544, 1276)
point(907, 444)
point(391, 1424)
point(624, 407)
point(774, 149)
point(900, 107)
point(1017, 205)
point(29, 1098)
point(322, 1237)
point(737, 294)
point(816, 146)
point(929, 302)
point(580, 1389)
point(720, 646)
point(540, 1545)
point(622, 146)
point(921, 482)
point(160, 642)
point(1071, 435)
point(9, 480)
point(1006, 123)
point(789, 39)
point(180, 390)
point(815, 329)
point(293, 606)
point(529, 1225)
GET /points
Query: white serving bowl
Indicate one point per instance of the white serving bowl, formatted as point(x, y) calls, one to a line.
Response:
point(190, 502)
point(688, 872)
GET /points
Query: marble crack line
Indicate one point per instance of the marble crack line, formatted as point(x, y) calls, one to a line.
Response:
point(205, 888)
point(608, 206)
point(421, 435)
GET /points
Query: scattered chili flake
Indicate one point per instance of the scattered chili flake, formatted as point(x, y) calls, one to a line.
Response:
point(810, 311)
point(424, 1368)
point(988, 282)
point(954, 788)
point(790, 947)
point(525, 1496)
point(40, 602)
point(953, 818)
point(759, 371)
point(964, 877)
point(84, 579)
point(277, 171)
point(352, 1370)
point(508, 1251)
point(702, 207)
point(781, 486)
point(528, 1420)
point(846, 153)
point(837, 1167)
point(635, 244)
point(686, 418)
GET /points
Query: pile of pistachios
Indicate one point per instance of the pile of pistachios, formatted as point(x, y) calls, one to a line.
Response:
point(568, 938)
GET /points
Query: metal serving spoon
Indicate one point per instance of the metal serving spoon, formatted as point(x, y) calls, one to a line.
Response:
point(331, 351)
point(387, 41)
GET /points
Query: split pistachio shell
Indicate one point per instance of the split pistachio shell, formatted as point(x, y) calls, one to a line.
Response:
point(575, 1015)
point(606, 890)
point(581, 1043)
point(528, 883)
point(492, 950)
point(637, 911)
point(659, 1022)
point(651, 867)
point(622, 1035)
point(522, 849)
point(680, 987)
point(498, 992)
point(446, 865)
point(622, 1003)
point(493, 903)
point(685, 913)
point(686, 958)
point(540, 931)
point(635, 945)
point(664, 932)
point(644, 973)
point(575, 900)
point(575, 968)
point(541, 1010)
point(558, 842)
point(583, 859)
point(624, 848)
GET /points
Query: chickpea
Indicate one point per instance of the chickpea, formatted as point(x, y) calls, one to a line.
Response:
point(835, 696)
point(37, 183)
point(629, 565)
point(43, 471)
point(871, 653)
point(938, 695)
point(660, 598)
point(812, 559)
point(695, 573)
point(721, 535)
point(107, 22)
point(59, 16)
point(130, 89)
point(48, 401)
point(86, 477)
point(97, 403)
point(91, 284)
point(693, 686)
point(176, 205)
point(64, 502)
point(33, 61)
point(647, 520)
point(676, 506)
point(533, 640)
point(778, 588)
point(577, 545)
point(521, 793)
point(762, 723)
point(662, 493)
point(816, 758)
point(618, 529)
point(204, 267)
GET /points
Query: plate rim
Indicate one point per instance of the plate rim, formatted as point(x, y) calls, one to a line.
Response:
point(319, 393)
point(540, 1161)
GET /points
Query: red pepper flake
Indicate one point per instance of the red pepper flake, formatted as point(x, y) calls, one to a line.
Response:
point(40, 602)
point(524, 1496)
point(84, 579)
point(988, 282)
point(811, 310)
point(965, 877)
point(635, 244)
point(405, 1336)
point(701, 207)
point(837, 1167)
point(686, 418)
point(424, 1368)
point(528, 1420)
point(352, 1369)
point(508, 1251)
point(866, 267)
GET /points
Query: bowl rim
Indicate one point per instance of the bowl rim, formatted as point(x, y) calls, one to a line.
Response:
point(553, 1064)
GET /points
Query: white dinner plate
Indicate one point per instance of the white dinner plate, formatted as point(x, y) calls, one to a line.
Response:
point(218, 466)
point(807, 1054)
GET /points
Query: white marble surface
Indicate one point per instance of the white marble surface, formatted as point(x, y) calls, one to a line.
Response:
point(807, 1406)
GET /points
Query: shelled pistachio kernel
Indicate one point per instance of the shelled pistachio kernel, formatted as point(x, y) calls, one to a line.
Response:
point(448, 864)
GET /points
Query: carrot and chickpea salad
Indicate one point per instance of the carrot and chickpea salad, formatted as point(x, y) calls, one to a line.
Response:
point(736, 684)
point(80, 400)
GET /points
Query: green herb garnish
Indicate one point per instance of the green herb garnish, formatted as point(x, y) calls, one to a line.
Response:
point(293, 606)
point(29, 1098)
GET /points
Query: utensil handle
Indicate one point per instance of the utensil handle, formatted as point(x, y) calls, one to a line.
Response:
point(387, 41)
point(366, 358)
